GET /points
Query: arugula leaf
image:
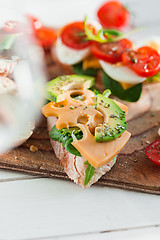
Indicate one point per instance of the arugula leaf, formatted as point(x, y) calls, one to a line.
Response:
point(78, 69)
point(89, 172)
point(131, 94)
point(8, 41)
point(64, 136)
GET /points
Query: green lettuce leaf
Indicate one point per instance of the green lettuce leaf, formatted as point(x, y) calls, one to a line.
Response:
point(64, 136)
point(78, 69)
point(131, 94)
point(89, 172)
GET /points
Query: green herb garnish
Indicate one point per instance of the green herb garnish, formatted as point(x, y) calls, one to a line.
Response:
point(105, 35)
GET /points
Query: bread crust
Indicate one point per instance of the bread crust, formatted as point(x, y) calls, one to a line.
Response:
point(74, 165)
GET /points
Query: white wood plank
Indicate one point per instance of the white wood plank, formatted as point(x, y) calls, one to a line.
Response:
point(49, 207)
point(150, 233)
point(6, 175)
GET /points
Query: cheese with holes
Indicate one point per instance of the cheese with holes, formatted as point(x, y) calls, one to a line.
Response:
point(71, 112)
point(98, 154)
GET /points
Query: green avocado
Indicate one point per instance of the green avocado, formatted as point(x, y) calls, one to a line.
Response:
point(61, 84)
point(116, 123)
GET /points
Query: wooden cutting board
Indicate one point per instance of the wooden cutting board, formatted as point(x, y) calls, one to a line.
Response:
point(133, 171)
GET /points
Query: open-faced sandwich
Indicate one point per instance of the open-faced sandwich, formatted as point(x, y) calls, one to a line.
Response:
point(87, 129)
point(129, 69)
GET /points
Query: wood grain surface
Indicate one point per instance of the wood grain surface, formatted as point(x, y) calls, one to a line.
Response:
point(133, 170)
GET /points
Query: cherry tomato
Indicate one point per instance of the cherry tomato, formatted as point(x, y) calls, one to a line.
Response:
point(36, 23)
point(113, 14)
point(45, 35)
point(73, 36)
point(111, 51)
point(153, 152)
point(145, 61)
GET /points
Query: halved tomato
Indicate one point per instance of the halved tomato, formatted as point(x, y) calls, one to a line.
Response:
point(113, 14)
point(111, 51)
point(145, 61)
point(73, 36)
point(45, 35)
point(153, 152)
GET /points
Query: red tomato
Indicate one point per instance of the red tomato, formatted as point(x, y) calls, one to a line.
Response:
point(113, 14)
point(111, 51)
point(73, 36)
point(46, 36)
point(36, 23)
point(153, 152)
point(145, 61)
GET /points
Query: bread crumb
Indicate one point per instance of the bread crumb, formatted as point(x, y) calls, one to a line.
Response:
point(33, 148)
point(16, 157)
point(148, 142)
point(156, 124)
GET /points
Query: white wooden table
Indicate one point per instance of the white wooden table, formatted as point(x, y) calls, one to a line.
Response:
point(34, 208)
point(41, 208)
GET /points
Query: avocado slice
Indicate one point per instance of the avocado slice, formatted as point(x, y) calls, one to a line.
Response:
point(60, 84)
point(115, 119)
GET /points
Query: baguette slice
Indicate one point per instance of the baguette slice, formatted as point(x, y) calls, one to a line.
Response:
point(73, 165)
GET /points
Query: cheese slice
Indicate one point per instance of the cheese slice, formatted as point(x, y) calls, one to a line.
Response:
point(91, 62)
point(126, 85)
point(71, 112)
point(98, 154)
